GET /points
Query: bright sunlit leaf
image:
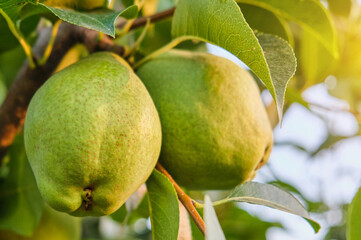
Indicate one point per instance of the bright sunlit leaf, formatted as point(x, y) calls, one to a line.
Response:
point(310, 14)
point(270, 196)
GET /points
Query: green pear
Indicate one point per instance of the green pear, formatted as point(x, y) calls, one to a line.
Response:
point(216, 133)
point(53, 225)
point(92, 136)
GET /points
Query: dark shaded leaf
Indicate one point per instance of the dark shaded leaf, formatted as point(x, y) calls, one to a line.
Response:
point(163, 206)
point(20, 202)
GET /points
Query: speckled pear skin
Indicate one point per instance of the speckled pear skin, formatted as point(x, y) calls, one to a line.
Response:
point(216, 133)
point(92, 136)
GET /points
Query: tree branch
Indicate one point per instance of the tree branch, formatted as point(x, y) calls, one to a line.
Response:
point(187, 202)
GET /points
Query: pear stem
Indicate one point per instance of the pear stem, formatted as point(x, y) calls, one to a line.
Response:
point(50, 46)
point(19, 36)
point(187, 202)
point(163, 49)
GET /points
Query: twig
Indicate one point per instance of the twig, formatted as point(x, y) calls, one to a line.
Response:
point(139, 40)
point(139, 22)
point(163, 49)
point(48, 49)
point(187, 202)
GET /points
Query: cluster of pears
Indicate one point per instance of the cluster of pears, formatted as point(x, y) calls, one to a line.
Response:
point(95, 130)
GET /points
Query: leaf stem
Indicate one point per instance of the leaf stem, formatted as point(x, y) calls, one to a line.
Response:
point(21, 39)
point(139, 22)
point(216, 203)
point(187, 202)
point(163, 49)
point(139, 40)
point(48, 49)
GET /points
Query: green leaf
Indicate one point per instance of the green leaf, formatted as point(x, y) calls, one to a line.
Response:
point(157, 35)
point(8, 40)
point(354, 218)
point(136, 199)
point(315, 61)
point(102, 20)
point(127, 3)
point(20, 202)
point(213, 228)
point(312, 206)
point(12, 8)
point(310, 14)
point(164, 208)
point(222, 23)
point(293, 95)
point(142, 211)
point(10, 22)
point(165, 5)
point(270, 196)
point(119, 215)
point(133, 203)
point(262, 20)
point(3, 89)
point(10, 63)
point(196, 233)
point(281, 63)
